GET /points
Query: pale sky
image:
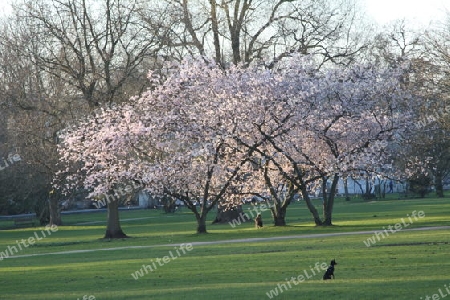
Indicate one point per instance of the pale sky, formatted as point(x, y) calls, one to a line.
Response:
point(382, 11)
point(4, 7)
point(421, 11)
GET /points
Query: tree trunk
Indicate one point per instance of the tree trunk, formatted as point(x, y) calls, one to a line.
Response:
point(236, 47)
point(215, 31)
point(346, 194)
point(279, 215)
point(311, 207)
point(201, 224)
point(281, 201)
point(54, 211)
point(328, 207)
point(438, 185)
point(279, 220)
point(368, 192)
point(113, 229)
point(324, 198)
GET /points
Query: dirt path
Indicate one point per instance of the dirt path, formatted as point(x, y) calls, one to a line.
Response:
point(247, 240)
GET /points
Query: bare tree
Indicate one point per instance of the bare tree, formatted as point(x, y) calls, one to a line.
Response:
point(35, 112)
point(93, 47)
point(424, 147)
point(395, 44)
point(431, 81)
point(242, 31)
point(84, 55)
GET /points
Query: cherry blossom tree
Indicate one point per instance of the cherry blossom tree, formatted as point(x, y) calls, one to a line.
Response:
point(206, 135)
point(177, 139)
point(342, 124)
point(361, 110)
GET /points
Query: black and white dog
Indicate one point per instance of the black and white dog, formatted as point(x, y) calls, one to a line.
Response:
point(330, 270)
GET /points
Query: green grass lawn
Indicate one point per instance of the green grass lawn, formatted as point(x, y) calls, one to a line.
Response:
point(404, 265)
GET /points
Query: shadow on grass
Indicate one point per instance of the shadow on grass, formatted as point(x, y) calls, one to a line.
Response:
point(413, 244)
point(58, 244)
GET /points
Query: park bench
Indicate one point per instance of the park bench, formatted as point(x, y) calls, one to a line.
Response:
point(26, 220)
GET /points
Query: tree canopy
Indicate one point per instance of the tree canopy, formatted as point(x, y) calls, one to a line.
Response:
point(208, 135)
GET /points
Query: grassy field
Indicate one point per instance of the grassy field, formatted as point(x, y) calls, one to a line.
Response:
point(407, 264)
